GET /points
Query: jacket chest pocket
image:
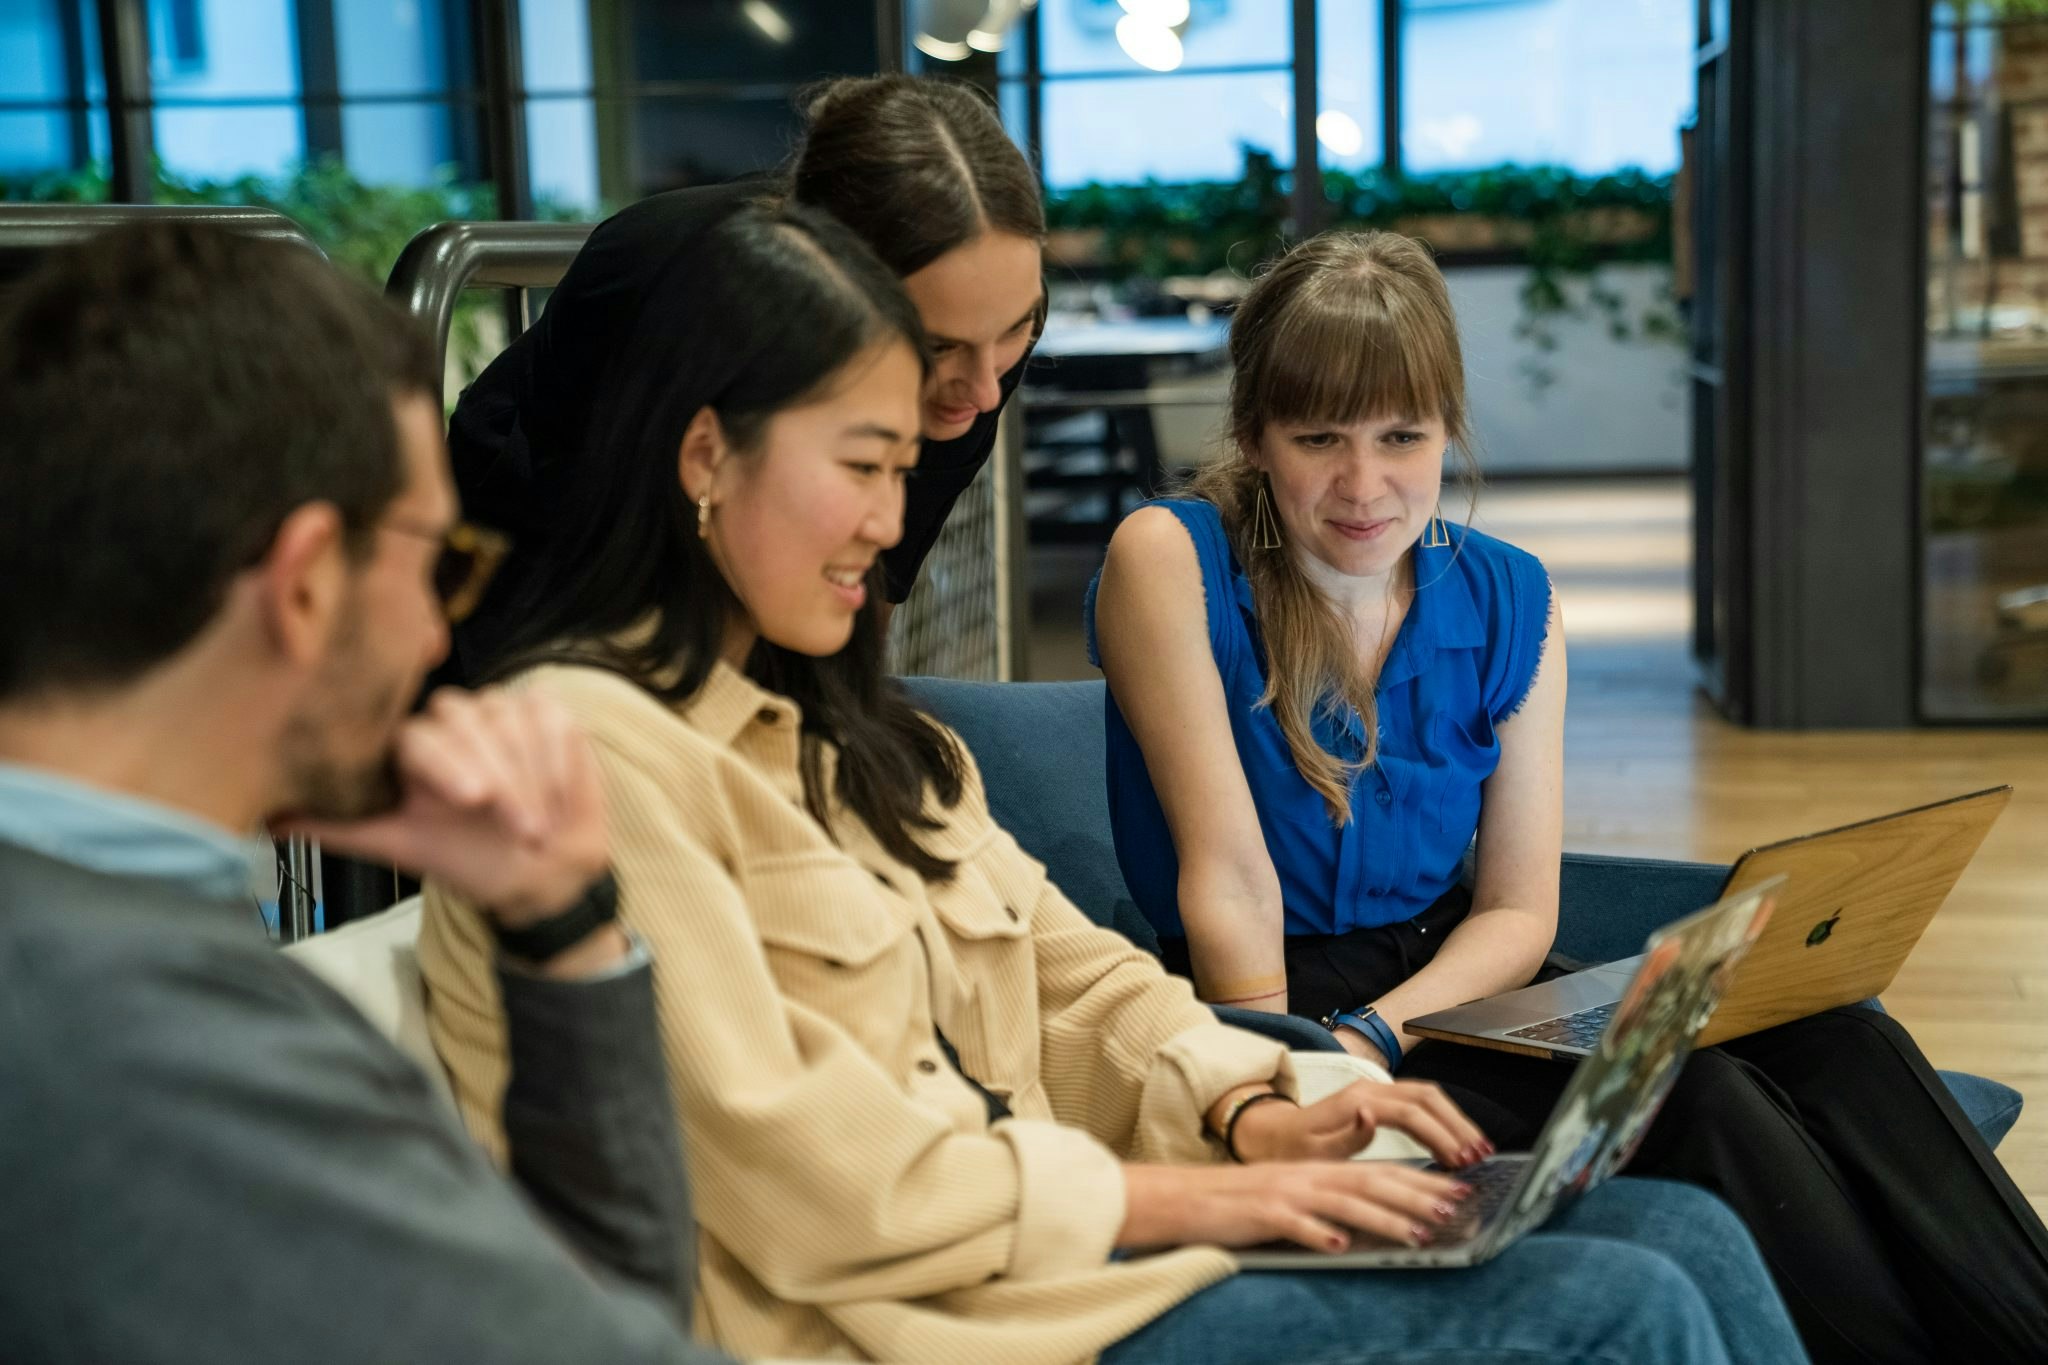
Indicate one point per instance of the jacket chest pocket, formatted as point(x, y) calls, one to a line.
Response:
point(985, 911)
point(838, 945)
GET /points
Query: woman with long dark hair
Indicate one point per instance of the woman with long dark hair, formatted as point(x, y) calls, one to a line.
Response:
point(923, 173)
point(931, 1112)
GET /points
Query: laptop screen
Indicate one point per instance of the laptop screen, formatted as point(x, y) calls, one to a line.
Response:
point(1615, 1093)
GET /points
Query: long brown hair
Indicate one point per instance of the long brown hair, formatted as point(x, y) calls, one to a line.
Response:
point(1344, 328)
point(916, 165)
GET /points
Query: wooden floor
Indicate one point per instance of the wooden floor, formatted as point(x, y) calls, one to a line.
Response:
point(1651, 770)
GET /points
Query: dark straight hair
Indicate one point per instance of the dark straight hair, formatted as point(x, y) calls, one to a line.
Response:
point(790, 298)
point(916, 166)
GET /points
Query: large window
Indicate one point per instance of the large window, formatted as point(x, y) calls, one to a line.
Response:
point(1107, 117)
point(435, 108)
point(225, 78)
point(1123, 91)
point(1591, 85)
point(1984, 481)
point(53, 115)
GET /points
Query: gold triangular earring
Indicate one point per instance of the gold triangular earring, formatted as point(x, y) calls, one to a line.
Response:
point(1436, 535)
point(1265, 528)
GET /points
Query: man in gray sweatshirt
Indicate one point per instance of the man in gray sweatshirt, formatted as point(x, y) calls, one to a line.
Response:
point(224, 515)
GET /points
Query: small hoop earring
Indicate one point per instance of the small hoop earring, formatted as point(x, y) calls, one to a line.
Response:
point(1436, 535)
point(1265, 527)
point(704, 517)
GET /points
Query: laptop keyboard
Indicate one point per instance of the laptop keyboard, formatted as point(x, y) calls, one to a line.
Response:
point(1490, 1181)
point(1582, 1029)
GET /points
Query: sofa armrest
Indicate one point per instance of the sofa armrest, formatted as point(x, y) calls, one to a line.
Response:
point(1300, 1035)
point(1608, 905)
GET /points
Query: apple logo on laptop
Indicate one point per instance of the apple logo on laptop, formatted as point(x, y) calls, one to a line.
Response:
point(1823, 931)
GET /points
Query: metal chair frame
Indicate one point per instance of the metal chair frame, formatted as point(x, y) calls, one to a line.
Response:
point(443, 260)
point(427, 281)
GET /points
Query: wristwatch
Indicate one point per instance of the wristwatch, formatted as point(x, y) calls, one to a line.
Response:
point(597, 907)
point(1366, 1020)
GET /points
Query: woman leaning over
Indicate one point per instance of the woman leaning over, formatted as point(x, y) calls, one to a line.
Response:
point(922, 171)
point(931, 1112)
point(1321, 692)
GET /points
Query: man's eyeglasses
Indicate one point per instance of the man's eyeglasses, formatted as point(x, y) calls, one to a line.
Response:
point(468, 557)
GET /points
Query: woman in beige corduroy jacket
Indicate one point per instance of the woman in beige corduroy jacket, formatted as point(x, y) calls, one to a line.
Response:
point(835, 919)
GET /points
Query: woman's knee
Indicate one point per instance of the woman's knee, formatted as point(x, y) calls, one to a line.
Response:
point(1714, 1092)
point(1636, 1206)
point(1685, 1223)
point(1633, 1303)
point(1853, 1027)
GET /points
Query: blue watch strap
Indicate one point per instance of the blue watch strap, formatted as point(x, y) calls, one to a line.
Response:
point(1375, 1029)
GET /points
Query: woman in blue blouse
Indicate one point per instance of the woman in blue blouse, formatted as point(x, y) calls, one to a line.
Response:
point(1321, 691)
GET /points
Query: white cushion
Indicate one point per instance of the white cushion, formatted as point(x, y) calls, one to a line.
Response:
point(1322, 1074)
point(375, 964)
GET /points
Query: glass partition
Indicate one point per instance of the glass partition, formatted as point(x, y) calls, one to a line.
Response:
point(1984, 505)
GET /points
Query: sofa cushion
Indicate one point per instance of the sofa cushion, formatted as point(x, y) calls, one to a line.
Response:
point(1040, 748)
point(374, 963)
point(1041, 751)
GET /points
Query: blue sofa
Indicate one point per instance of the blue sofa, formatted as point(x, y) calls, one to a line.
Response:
point(1040, 748)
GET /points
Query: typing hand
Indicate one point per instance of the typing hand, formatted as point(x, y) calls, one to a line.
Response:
point(1334, 1128)
point(1314, 1203)
point(499, 801)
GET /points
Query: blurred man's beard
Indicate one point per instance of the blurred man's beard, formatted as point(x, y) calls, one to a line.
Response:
point(344, 705)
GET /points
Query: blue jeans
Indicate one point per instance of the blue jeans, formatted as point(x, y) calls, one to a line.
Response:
point(1640, 1272)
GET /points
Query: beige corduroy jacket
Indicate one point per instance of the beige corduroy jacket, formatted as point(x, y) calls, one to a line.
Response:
point(853, 1198)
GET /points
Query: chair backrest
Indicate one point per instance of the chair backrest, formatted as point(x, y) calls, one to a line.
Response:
point(447, 258)
point(436, 266)
point(1040, 750)
point(374, 963)
point(29, 230)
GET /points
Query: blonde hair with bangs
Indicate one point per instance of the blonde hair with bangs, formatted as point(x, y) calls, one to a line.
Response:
point(1344, 328)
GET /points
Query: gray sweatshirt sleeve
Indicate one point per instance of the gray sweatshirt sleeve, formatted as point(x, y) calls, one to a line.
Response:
point(209, 1156)
point(591, 1126)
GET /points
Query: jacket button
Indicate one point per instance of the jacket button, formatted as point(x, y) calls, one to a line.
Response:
point(767, 715)
point(927, 1066)
point(1385, 798)
point(1011, 911)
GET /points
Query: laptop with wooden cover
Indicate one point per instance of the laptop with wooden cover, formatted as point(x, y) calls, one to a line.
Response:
point(1856, 900)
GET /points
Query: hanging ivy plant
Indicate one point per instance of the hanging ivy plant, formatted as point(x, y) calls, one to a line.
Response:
point(1563, 226)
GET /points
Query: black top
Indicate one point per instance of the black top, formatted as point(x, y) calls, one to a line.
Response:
point(530, 409)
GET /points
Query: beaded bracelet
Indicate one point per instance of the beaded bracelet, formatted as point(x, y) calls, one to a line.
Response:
point(1237, 1112)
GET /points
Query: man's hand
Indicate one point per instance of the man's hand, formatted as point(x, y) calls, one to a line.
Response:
point(499, 801)
point(1334, 1128)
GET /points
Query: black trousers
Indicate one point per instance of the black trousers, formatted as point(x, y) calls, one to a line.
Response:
point(1891, 1229)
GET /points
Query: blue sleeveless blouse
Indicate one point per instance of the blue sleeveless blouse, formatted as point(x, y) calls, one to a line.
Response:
point(1462, 662)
